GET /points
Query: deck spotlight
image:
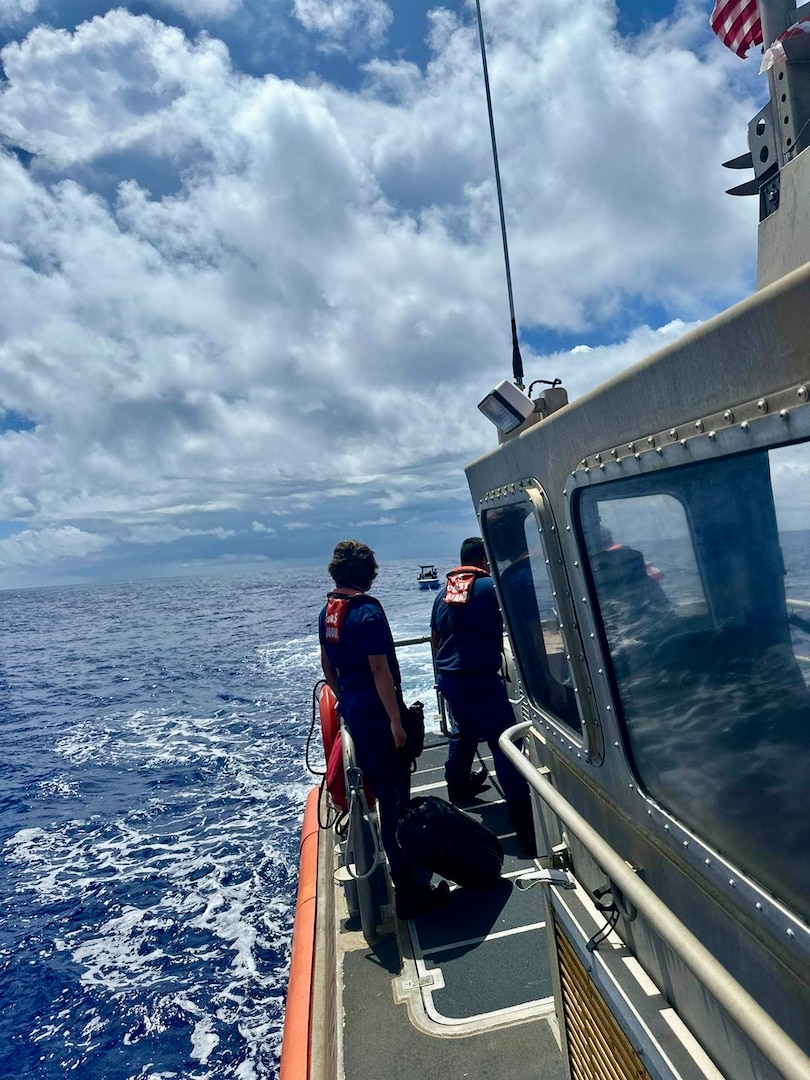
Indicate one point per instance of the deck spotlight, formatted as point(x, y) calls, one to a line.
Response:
point(506, 406)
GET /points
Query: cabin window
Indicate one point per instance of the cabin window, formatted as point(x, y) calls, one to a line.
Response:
point(701, 584)
point(520, 566)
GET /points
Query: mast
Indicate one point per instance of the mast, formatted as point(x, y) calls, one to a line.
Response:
point(778, 140)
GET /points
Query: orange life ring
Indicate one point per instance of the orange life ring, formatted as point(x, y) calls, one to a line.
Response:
point(336, 779)
point(330, 724)
point(333, 751)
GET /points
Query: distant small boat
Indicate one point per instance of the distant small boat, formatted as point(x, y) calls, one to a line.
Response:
point(428, 577)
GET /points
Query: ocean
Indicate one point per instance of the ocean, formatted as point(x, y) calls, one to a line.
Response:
point(153, 781)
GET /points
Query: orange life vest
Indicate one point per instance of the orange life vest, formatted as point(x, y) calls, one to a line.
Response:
point(460, 583)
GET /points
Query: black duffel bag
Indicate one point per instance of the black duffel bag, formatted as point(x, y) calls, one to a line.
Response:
point(413, 720)
point(449, 842)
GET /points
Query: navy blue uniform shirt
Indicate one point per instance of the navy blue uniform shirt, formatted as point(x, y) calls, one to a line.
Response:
point(364, 632)
point(470, 635)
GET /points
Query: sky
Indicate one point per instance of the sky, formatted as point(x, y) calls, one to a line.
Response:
point(251, 276)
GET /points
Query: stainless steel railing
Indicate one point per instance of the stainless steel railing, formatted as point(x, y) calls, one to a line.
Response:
point(775, 1044)
point(444, 718)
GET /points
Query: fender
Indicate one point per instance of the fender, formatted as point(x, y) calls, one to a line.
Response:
point(296, 1044)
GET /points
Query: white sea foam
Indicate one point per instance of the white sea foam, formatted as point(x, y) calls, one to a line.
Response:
point(60, 787)
point(296, 658)
point(203, 1040)
point(205, 861)
point(165, 905)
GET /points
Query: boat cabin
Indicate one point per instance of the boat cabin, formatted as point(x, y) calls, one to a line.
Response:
point(428, 576)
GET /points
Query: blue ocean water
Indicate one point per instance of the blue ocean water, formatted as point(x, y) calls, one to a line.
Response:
point(152, 782)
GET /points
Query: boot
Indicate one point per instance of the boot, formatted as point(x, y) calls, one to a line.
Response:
point(520, 815)
point(463, 792)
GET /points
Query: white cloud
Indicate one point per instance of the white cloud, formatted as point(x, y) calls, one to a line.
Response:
point(167, 534)
point(117, 82)
point(34, 546)
point(352, 23)
point(384, 522)
point(303, 322)
point(11, 11)
point(201, 10)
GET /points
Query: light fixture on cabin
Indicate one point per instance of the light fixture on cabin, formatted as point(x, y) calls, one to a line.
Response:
point(506, 406)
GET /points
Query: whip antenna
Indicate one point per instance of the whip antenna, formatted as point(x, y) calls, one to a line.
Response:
point(517, 360)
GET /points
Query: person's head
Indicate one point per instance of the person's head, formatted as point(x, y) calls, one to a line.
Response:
point(353, 565)
point(473, 553)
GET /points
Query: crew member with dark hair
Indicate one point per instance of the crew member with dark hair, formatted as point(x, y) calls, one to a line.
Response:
point(360, 665)
point(467, 634)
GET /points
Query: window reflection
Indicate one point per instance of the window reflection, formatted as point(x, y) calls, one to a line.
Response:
point(637, 597)
point(701, 581)
point(531, 614)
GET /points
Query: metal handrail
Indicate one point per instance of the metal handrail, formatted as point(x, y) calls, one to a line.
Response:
point(443, 709)
point(776, 1045)
point(357, 840)
point(413, 641)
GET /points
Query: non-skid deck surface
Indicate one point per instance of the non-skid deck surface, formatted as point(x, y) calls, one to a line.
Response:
point(464, 991)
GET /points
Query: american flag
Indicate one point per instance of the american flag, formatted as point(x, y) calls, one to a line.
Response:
point(736, 23)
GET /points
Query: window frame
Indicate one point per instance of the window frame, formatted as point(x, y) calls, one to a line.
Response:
point(589, 739)
point(764, 424)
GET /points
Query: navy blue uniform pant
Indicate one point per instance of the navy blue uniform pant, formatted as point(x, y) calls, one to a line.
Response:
point(481, 710)
point(386, 772)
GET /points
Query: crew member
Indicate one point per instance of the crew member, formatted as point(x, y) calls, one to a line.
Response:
point(360, 665)
point(467, 634)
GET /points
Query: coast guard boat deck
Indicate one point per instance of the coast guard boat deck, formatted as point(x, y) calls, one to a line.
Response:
point(464, 990)
point(667, 748)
